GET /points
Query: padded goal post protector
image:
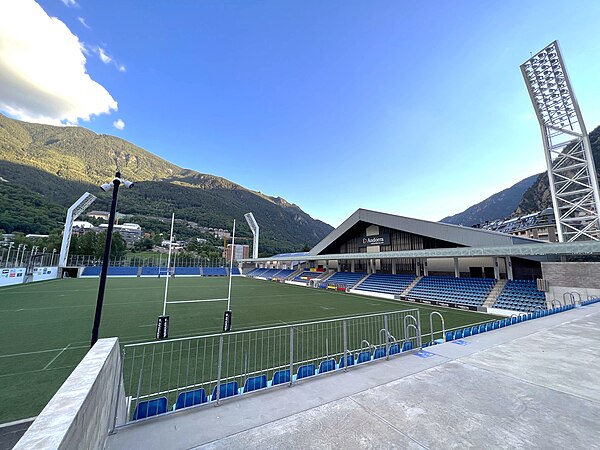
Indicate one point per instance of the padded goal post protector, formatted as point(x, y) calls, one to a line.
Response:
point(227, 321)
point(162, 327)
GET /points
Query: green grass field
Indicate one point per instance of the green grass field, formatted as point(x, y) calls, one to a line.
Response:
point(47, 326)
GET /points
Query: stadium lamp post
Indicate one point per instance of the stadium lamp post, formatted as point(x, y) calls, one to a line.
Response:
point(23, 255)
point(114, 185)
point(10, 245)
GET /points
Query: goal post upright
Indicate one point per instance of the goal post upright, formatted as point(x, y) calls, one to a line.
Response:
point(73, 213)
point(571, 173)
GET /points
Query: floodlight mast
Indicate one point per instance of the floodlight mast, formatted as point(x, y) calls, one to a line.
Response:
point(73, 213)
point(255, 232)
point(571, 171)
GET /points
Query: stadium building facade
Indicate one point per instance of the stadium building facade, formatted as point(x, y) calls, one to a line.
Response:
point(366, 234)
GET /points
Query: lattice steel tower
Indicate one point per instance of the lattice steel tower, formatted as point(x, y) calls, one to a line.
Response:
point(571, 171)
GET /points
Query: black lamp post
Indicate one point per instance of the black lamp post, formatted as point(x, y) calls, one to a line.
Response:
point(114, 185)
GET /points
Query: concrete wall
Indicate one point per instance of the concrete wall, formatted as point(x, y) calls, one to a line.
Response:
point(82, 412)
point(580, 277)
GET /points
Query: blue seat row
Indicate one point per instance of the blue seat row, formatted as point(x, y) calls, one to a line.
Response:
point(386, 283)
point(346, 279)
point(521, 295)
point(489, 326)
point(198, 396)
point(467, 291)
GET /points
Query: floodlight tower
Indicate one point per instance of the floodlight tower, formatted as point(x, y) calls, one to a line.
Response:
point(73, 213)
point(255, 231)
point(571, 171)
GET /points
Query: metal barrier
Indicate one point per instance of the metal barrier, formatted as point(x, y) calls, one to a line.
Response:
point(222, 364)
point(431, 326)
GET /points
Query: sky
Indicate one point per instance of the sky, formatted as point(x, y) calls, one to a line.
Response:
point(412, 108)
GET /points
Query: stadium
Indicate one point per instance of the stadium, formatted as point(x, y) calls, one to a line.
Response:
point(390, 332)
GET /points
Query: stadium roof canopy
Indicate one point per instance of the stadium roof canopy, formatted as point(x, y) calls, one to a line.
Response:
point(471, 241)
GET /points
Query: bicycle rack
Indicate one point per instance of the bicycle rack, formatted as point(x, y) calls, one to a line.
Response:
point(431, 326)
point(571, 298)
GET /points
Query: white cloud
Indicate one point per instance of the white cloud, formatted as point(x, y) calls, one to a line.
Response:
point(119, 124)
point(83, 22)
point(103, 56)
point(69, 3)
point(42, 69)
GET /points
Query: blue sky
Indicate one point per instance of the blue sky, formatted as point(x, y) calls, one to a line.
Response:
point(412, 108)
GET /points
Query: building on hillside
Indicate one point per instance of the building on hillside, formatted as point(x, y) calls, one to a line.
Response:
point(104, 215)
point(539, 225)
point(241, 251)
point(130, 232)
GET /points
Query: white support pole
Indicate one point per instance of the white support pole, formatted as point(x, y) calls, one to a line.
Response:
point(231, 256)
point(74, 211)
point(168, 265)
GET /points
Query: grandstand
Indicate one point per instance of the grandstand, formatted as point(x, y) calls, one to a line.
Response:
point(464, 291)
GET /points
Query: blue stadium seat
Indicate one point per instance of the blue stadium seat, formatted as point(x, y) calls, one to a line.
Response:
point(150, 408)
point(349, 360)
point(482, 328)
point(305, 371)
point(255, 383)
point(283, 376)
point(458, 334)
point(449, 335)
point(191, 398)
point(489, 326)
point(407, 346)
point(363, 357)
point(379, 353)
point(474, 330)
point(466, 332)
point(394, 349)
point(327, 366)
point(465, 291)
point(226, 390)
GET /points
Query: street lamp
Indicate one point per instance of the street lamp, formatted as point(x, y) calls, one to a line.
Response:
point(114, 185)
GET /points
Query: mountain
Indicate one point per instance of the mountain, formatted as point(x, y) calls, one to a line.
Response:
point(538, 196)
point(527, 196)
point(498, 206)
point(46, 168)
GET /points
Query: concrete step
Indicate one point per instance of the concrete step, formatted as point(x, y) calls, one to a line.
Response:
point(410, 286)
point(494, 293)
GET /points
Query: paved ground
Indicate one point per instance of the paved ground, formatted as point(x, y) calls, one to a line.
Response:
point(531, 385)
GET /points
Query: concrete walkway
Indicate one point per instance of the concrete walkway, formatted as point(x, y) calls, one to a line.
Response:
point(530, 385)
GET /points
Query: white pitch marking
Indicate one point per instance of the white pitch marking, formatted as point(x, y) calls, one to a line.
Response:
point(150, 325)
point(56, 357)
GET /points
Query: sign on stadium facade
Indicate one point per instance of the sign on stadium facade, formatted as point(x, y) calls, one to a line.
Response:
point(380, 239)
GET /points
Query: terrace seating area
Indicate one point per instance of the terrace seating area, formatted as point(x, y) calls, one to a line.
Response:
point(149, 408)
point(466, 291)
point(307, 275)
point(521, 295)
point(283, 273)
point(384, 283)
point(342, 279)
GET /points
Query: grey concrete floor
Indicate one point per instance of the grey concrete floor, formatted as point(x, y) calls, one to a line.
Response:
point(530, 385)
